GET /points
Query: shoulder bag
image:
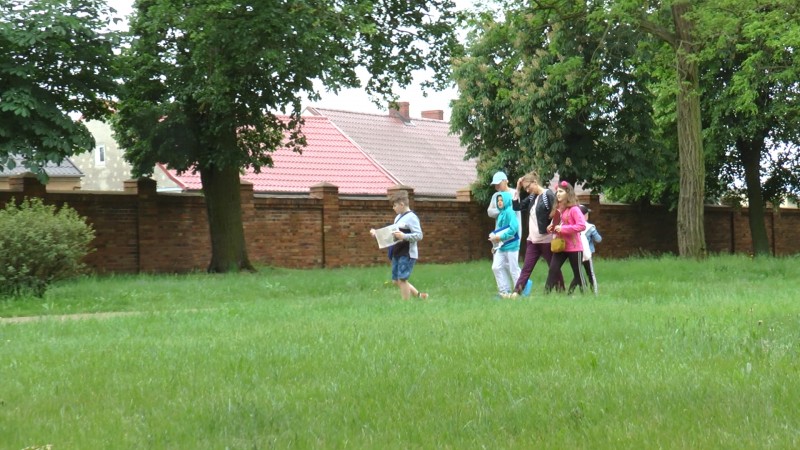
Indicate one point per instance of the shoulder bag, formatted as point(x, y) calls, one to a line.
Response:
point(558, 244)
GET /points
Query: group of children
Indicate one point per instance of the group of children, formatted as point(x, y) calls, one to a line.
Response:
point(551, 216)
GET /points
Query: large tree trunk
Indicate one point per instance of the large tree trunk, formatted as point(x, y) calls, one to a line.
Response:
point(691, 229)
point(750, 154)
point(224, 208)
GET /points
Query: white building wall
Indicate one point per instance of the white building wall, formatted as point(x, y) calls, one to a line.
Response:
point(105, 168)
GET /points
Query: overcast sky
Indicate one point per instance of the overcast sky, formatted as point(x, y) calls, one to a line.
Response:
point(355, 99)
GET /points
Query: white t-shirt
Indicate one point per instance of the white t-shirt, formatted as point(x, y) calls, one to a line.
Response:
point(533, 227)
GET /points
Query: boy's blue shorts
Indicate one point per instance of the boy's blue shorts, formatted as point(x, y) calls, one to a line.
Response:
point(402, 267)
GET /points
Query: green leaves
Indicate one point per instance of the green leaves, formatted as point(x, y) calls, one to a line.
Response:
point(549, 88)
point(40, 244)
point(750, 80)
point(215, 74)
point(17, 101)
point(595, 83)
point(57, 61)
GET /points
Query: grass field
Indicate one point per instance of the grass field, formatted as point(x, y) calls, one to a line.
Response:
point(672, 354)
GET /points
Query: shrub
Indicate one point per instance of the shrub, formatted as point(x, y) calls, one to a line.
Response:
point(40, 244)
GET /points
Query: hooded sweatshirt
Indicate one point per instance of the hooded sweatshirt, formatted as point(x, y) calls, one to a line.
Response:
point(507, 218)
point(572, 223)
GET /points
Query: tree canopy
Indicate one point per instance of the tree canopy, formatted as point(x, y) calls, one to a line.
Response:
point(590, 90)
point(204, 84)
point(56, 68)
point(556, 89)
point(750, 104)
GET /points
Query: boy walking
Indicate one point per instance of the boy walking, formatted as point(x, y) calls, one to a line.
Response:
point(404, 253)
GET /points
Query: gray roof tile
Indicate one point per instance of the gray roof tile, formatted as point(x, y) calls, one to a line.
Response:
point(65, 169)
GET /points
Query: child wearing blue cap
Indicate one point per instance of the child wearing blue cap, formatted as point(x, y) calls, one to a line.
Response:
point(500, 183)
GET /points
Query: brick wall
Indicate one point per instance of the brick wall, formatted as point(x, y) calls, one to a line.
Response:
point(629, 230)
point(140, 230)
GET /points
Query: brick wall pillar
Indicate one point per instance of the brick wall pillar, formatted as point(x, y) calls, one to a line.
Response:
point(592, 201)
point(147, 220)
point(28, 184)
point(476, 229)
point(130, 186)
point(331, 228)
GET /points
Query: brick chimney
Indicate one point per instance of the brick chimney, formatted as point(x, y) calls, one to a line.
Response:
point(402, 112)
point(435, 114)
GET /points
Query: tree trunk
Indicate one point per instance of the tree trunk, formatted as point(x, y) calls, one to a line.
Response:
point(750, 154)
point(224, 208)
point(691, 229)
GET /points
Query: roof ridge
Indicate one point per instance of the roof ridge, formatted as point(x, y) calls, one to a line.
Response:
point(349, 112)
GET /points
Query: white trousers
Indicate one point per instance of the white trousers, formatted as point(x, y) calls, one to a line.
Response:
point(505, 266)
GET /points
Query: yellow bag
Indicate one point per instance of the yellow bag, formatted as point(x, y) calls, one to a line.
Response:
point(557, 245)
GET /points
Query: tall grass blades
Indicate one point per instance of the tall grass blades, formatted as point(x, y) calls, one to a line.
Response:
point(671, 354)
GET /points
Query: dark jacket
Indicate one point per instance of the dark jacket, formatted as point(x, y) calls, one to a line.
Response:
point(546, 202)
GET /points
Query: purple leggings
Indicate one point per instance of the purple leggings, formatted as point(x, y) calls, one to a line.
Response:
point(532, 254)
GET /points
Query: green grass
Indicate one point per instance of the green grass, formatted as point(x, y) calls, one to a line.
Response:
point(672, 354)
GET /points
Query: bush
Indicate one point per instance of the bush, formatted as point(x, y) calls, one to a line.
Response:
point(40, 244)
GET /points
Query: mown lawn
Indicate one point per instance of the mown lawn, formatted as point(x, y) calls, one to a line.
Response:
point(672, 354)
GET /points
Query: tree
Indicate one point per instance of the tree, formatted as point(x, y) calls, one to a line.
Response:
point(679, 34)
point(556, 88)
point(204, 82)
point(56, 60)
point(750, 77)
point(587, 67)
point(749, 88)
point(483, 113)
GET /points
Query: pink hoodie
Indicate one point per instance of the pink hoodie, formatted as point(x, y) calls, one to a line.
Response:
point(572, 223)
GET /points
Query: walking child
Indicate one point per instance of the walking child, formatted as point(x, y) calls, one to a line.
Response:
point(404, 254)
point(567, 224)
point(589, 237)
point(505, 262)
point(500, 183)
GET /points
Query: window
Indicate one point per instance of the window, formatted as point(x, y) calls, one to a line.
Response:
point(100, 156)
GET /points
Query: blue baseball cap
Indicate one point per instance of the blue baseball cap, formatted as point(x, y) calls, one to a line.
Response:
point(498, 177)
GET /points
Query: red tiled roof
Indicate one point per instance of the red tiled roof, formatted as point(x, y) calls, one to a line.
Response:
point(329, 157)
point(420, 153)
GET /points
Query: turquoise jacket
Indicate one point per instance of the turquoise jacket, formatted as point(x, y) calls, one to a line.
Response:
point(507, 218)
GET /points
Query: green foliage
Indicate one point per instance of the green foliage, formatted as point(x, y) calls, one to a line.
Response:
point(751, 93)
point(600, 97)
point(204, 85)
point(40, 245)
point(557, 88)
point(56, 60)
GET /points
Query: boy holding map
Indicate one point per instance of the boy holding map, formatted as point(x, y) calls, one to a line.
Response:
point(404, 252)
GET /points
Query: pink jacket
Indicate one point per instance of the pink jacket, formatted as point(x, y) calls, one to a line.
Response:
point(572, 223)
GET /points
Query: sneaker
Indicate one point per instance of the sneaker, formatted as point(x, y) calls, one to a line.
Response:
point(423, 295)
point(527, 291)
point(514, 296)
